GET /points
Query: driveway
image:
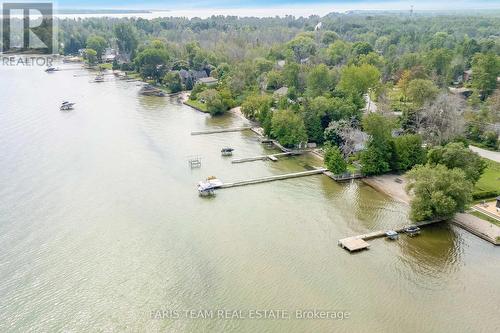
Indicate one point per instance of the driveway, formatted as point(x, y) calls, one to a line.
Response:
point(491, 155)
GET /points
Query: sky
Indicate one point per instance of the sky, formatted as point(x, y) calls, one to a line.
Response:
point(336, 5)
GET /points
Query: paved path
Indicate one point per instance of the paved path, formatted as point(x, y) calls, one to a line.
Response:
point(478, 227)
point(491, 155)
point(481, 228)
point(370, 106)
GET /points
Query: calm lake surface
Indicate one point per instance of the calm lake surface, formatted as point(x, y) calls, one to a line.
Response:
point(101, 224)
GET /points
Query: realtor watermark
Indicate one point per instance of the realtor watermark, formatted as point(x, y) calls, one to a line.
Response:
point(249, 314)
point(28, 34)
point(26, 61)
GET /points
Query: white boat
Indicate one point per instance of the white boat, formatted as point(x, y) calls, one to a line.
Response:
point(208, 186)
point(392, 235)
point(66, 106)
point(99, 78)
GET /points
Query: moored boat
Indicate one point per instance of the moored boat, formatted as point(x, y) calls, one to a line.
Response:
point(66, 106)
point(99, 78)
point(208, 186)
point(227, 151)
point(412, 230)
point(392, 235)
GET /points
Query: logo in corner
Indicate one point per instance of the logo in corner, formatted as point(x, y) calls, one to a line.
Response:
point(28, 32)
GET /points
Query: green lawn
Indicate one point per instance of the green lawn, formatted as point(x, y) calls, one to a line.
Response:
point(106, 66)
point(490, 180)
point(197, 105)
point(486, 217)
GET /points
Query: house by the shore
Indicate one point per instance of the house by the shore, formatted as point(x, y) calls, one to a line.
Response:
point(209, 81)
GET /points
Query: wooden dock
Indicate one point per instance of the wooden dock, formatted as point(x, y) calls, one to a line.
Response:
point(316, 171)
point(272, 157)
point(352, 243)
point(221, 130)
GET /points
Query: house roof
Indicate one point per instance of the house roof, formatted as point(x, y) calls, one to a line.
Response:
point(281, 91)
point(208, 80)
point(198, 74)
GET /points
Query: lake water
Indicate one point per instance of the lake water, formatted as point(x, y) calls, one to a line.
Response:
point(101, 225)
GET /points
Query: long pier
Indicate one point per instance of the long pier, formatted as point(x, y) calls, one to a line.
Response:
point(222, 130)
point(272, 157)
point(273, 178)
point(355, 243)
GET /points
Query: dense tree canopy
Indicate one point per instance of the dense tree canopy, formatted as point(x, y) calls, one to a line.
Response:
point(438, 192)
point(456, 155)
point(323, 74)
point(288, 127)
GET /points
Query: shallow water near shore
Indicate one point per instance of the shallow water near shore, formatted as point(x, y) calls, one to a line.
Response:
point(101, 225)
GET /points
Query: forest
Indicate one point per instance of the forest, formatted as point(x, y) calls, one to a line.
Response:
point(378, 91)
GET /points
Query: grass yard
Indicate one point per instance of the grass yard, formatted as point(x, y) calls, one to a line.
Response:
point(485, 217)
point(490, 180)
point(197, 105)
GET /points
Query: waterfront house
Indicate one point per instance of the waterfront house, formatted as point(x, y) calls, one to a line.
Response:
point(467, 76)
point(281, 92)
point(209, 81)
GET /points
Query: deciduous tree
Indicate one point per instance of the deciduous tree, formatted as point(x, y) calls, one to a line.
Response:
point(438, 192)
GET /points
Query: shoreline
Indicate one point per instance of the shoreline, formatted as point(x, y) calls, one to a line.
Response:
point(387, 185)
point(391, 185)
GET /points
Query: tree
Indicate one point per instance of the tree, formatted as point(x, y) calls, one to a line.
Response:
point(216, 105)
point(490, 139)
point(316, 117)
point(441, 120)
point(439, 60)
point(291, 75)
point(485, 70)
point(173, 81)
point(334, 160)
point(127, 39)
point(421, 91)
point(319, 81)
point(344, 134)
point(358, 79)
point(98, 44)
point(329, 37)
point(377, 156)
point(274, 80)
point(408, 151)
point(456, 155)
point(91, 56)
point(494, 106)
point(337, 52)
point(288, 128)
point(360, 48)
point(302, 47)
point(151, 62)
point(254, 104)
point(438, 192)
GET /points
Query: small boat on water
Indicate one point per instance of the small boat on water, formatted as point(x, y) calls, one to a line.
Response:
point(392, 235)
point(412, 230)
point(208, 186)
point(66, 106)
point(227, 151)
point(99, 78)
point(51, 70)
